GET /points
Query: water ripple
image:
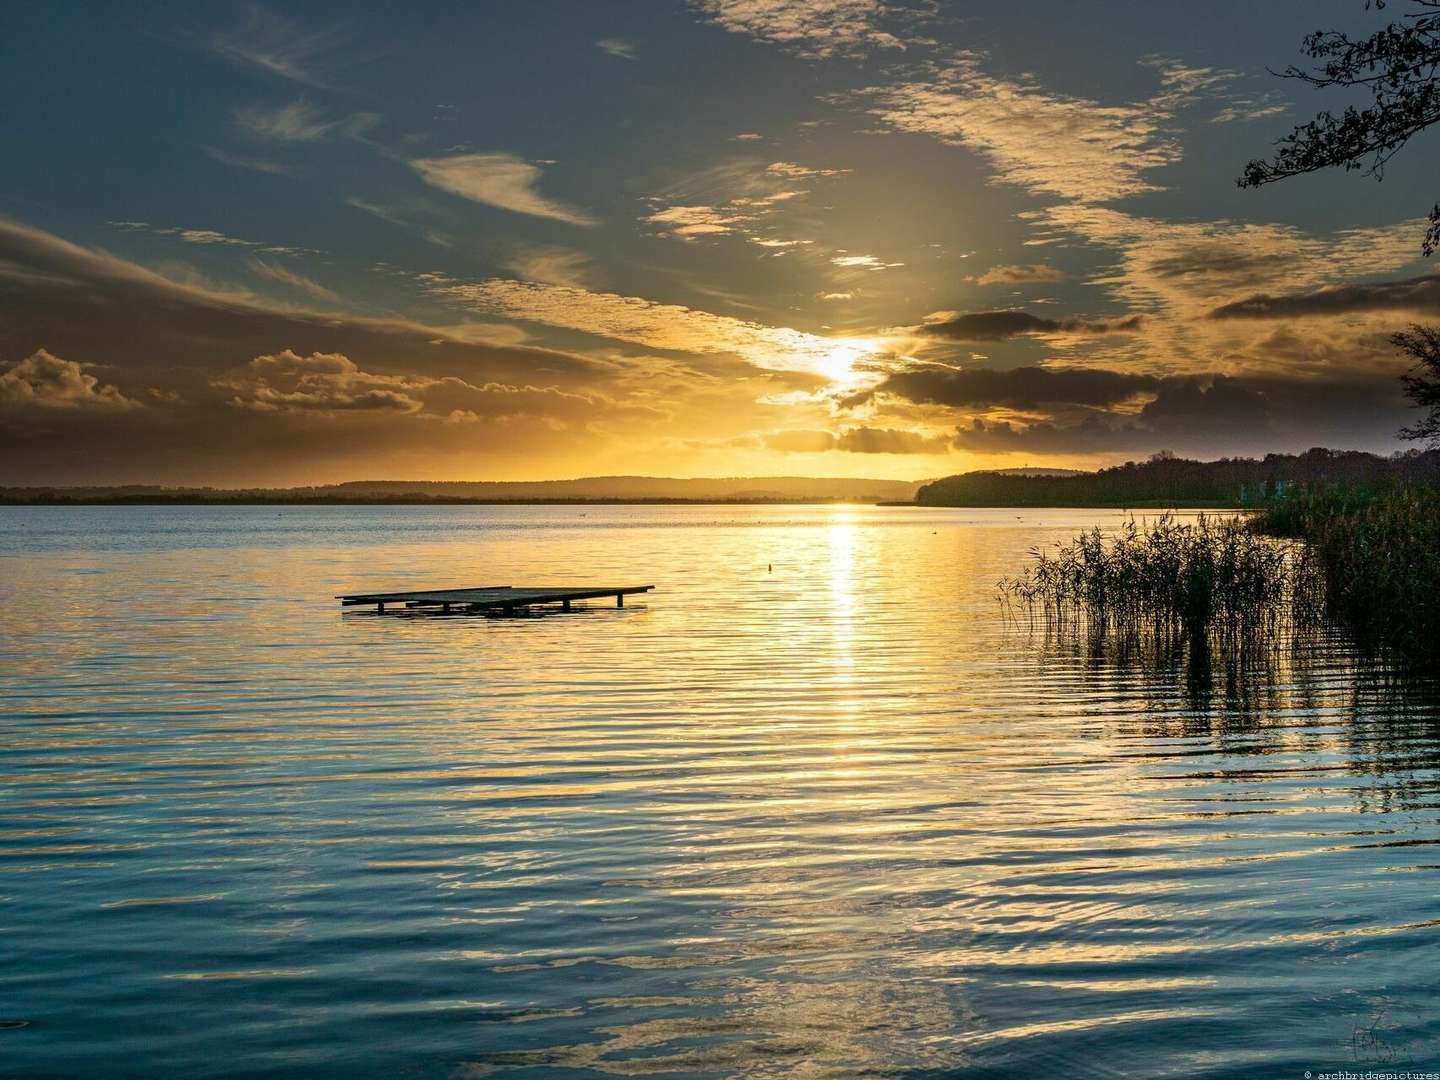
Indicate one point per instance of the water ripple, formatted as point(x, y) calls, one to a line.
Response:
point(836, 818)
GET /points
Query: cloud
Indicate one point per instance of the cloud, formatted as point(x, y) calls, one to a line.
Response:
point(45, 380)
point(1003, 325)
point(816, 29)
point(400, 218)
point(1068, 411)
point(1177, 274)
point(856, 440)
point(1210, 413)
point(211, 238)
point(500, 180)
point(1045, 142)
point(552, 266)
point(868, 440)
point(1245, 109)
point(1417, 294)
point(1185, 85)
point(800, 442)
point(292, 279)
point(1023, 388)
point(1032, 274)
point(323, 382)
point(792, 171)
point(863, 262)
point(144, 321)
point(275, 45)
point(617, 47)
point(648, 323)
point(1052, 143)
point(743, 198)
point(1188, 268)
point(540, 409)
point(692, 222)
point(240, 161)
point(300, 121)
point(333, 384)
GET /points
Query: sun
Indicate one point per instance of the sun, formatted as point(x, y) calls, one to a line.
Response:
point(839, 362)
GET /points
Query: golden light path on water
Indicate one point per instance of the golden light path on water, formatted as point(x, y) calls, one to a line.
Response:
point(813, 807)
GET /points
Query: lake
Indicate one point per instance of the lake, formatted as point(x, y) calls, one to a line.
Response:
point(813, 807)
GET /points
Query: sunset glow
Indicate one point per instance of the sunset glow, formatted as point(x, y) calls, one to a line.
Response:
point(713, 238)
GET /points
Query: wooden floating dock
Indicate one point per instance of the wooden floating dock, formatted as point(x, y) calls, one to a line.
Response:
point(505, 599)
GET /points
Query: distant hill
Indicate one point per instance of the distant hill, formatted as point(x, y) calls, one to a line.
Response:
point(777, 489)
point(1178, 482)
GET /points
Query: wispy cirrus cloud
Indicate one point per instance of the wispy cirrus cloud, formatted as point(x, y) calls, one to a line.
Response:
point(1034, 138)
point(1185, 269)
point(1185, 85)
point(617, 47)
point(277, 45)
point(816, 29)
point(851, 261)
point(211, 238)
point(654, 325)
point(737, 198)
point(300, 121)
point(243, 161)
point(291, 279)
point(552, 265)
point(500, 180)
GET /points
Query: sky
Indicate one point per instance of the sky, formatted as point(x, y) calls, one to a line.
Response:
point(489, 240)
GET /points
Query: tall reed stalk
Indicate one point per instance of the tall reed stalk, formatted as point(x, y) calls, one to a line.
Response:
point(1379, 553)
point(1216, 577)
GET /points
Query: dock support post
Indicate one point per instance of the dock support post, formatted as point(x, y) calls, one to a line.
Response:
point(565, 605)
point(445, 609)
point(380, 608)
point(619, 599)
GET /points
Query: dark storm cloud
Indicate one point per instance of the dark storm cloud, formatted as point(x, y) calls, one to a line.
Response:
point(1018, 388)
point(1212, 415)
point(1003, 325)
point(1421, 294)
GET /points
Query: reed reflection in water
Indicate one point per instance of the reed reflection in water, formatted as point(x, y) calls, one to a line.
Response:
point(838, 818)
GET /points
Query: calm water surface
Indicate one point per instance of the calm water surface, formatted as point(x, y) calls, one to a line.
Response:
point(838, 818)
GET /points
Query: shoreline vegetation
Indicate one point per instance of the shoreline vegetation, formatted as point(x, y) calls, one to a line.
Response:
point(1166, 481)
point(1215, 577)
point(1365, 559)
point(1377, 552)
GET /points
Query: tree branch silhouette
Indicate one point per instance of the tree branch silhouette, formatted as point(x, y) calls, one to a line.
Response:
point(1400, 67)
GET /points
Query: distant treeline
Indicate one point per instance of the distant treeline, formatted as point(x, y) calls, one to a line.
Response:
point(1168, 481)
point(220, 497)
point(578, 491)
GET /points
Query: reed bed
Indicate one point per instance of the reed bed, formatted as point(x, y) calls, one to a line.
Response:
point(1378, 551)
point(1215, 577)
